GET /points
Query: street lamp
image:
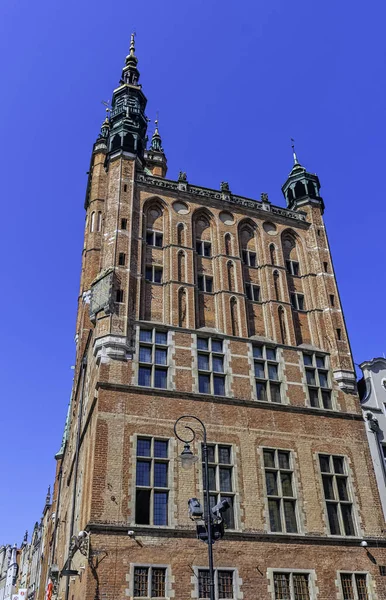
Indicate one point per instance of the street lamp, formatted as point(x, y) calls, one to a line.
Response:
point(188, 459)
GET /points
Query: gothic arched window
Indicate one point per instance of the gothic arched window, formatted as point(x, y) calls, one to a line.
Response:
point(283, 332)
point(92, 221)
point(154, 226)
point(181, 266)
point(276, 284)
point(228, 244)
point(180, 234)
point(231, 276)
point(272, 254)
point(203, 236)
point(99, 221)
point(248, 246)
point(300, 190)
point(182, 308)
point(234, 316)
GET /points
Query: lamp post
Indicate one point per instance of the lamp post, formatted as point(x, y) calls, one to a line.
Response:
point(187, 461)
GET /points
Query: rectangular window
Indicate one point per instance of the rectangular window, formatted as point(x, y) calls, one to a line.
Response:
point(291, 586)
point(221, 487)
point(280, 490)
point(223, 584)
point(153, 358)
point(210, 358)
point(252, 292)
point(152, 481)
point(317, 376)
point(354, 586)
point(266, 374)
point(154, 238)
point(292, 267)
point(205, 283)
point(122, 259)
point(332, 299)
point(153, 274)
point(339, 334)
point(249, 258)
point(203, 248)
point(119, 296)
point(297, 301)
point(337, 494)
point(149, 582)
point(123, 223)
point(325, 266)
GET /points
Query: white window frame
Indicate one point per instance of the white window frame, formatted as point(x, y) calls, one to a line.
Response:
point(152, 487)
point(294, 498)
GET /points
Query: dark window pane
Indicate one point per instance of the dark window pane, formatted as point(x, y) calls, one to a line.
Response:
point(225, 584)
point(245, 256)
point(158, 583)
point(209, 284)
point(323, 382)
point(259, 370)
point(257, 351)
point(203, 584)
point(269, 458)
point(341, 483)
point(314, 397)
point(161, 337)
point(217, 346)
point(142, 507)
point(149, 273)
point(328, 487)
point(225, 480)
point(145, 335)
point(290, 517)
point(272, 372)
point(256, 293)
point(338, 464)
point(218, 366)
point(360, 581)
point(224, 455)
point(212, 477)
point(143, 472)
point(274, 515)
point(261, 390)
point(271, 483)
point(161, 356)
point(160, 508)
point(347, 587)
point(300, 302)
point(284, 460)
point(160, 474)
point(144, 376)
point(228, 515)
point(200, 282)
point(149, 238)
point(252, 259)
point(202, 343)
point(141, 575)
point(199, 248)
point(282, 586)
point(310, 375)
point(326, 399)
point(348, 522)
point(160, 378)
point(158, 240)
point(207, 249)
point(286, 484)
point(320, 362)
point(270, 353)
point(203, 362)
point(295, 268)
point(219, 385)
point(145, 354)
point(275, 392)
point(307, 359)
point(160, 448)
point(157, 275)
point(301, 589)
point(211, 453)
point(288, 266)
point(204, 383)
point(324, 462)
point(143, 447)
point(293, 300)
point(248, 291)
point(332, 511)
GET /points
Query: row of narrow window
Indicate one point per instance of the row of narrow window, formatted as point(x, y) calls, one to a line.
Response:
point(154, 365)
point(153, 485)
point(152, 582)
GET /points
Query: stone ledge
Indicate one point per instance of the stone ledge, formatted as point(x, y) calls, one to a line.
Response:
point(111, 347)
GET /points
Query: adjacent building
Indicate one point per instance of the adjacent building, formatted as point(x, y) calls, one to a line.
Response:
point(198, 301)
point(372, 391)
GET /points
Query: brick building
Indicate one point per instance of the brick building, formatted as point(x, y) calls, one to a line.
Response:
point(201, 302)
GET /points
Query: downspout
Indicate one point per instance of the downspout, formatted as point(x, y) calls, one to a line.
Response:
point(84, 366)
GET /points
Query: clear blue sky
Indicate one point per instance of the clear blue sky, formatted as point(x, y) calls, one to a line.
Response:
point(232, 82)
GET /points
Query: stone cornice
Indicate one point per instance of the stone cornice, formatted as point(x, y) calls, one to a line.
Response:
point(237, 536)
point(316, 412)
point(226, 196)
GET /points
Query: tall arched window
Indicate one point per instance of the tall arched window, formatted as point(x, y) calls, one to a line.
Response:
point(181, 266)
point(99, 221)
point(180, 234)
point(92, 221)
point(276, 284)
point(234, 316)
point(283, 333)
point(272, 254)
point(228, 244)
point(290, 254)
point(203, 236)
point(154, 226)
point(300, 190)
point(231, 276)
point(248, 246)
point(182, 308)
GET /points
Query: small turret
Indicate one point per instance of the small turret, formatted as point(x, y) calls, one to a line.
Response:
point(301, 186)
point(155, 157)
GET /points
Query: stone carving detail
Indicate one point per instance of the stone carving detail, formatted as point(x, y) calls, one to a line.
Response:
point(228, 197)
point(182, 176)
point(224, 186)
point(102, 295)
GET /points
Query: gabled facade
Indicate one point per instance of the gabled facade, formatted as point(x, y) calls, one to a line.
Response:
point(195, 301)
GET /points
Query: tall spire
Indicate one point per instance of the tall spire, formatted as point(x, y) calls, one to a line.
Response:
point(130, 73)
point(296, 162)
point(156, 142)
